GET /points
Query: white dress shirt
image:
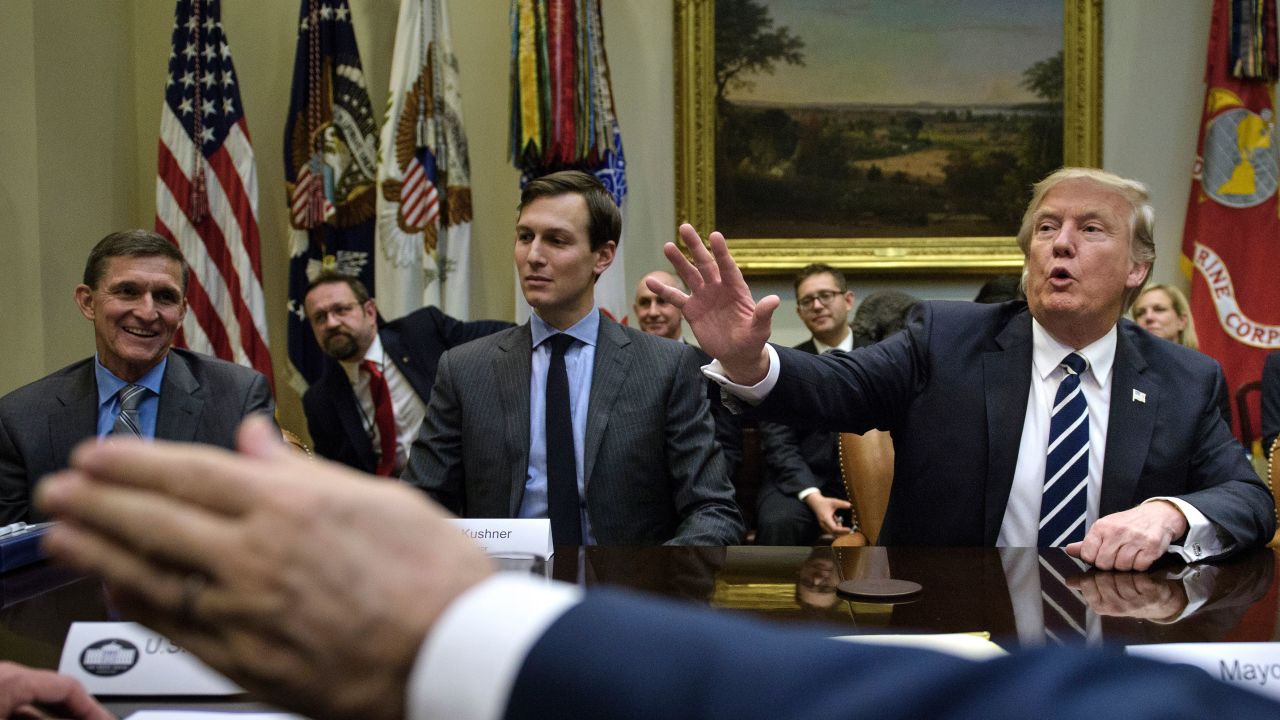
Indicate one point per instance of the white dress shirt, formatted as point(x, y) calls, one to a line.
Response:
point(467, 666)
point(409, 408)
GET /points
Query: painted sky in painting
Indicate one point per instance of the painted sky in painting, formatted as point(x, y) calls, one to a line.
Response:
point(907, 51)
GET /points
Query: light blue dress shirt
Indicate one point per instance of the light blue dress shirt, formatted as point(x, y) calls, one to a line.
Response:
point(109, 401)
point(579, 363)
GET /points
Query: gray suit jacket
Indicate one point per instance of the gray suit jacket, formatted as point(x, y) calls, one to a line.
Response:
point(654, 472)
point(202, 399)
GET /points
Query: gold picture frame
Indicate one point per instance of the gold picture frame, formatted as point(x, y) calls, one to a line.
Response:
point(696, 159)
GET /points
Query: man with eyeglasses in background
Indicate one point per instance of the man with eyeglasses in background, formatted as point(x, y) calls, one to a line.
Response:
point(366, 408)
point(803, 491)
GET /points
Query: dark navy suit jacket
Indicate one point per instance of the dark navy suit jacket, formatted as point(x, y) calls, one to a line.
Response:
point(619, 656)
point(414, 343)
point(952, 389)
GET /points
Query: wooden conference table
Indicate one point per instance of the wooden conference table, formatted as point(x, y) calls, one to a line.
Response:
point(965, 590)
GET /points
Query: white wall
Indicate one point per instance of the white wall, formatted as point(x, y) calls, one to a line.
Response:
point(1154, 54)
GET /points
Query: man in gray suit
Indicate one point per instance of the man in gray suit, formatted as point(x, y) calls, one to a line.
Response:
point(601, 428)
point(134, 293)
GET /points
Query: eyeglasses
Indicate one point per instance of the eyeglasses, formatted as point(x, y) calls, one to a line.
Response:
point(342, 311)
point(824, 296)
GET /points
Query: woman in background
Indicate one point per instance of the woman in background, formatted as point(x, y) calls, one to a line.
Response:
point(1163, 311)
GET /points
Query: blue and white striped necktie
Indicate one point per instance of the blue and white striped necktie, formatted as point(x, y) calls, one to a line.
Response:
point(1066, 474)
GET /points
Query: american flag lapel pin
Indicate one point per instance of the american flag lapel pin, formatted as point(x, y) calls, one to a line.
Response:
point(1139, 396)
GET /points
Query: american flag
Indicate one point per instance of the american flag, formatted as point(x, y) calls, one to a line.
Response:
point(207, 191)
point(419, 201)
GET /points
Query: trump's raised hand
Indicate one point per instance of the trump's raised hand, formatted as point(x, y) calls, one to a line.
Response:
point(729, 324)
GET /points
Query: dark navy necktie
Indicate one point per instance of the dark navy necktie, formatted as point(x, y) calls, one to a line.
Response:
point(1066, 474)
point(562, 467)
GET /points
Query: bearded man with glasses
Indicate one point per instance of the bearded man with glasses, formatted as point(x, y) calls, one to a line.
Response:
point(366, 408)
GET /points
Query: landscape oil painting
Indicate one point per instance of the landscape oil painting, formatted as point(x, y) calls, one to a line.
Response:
point(911, 119)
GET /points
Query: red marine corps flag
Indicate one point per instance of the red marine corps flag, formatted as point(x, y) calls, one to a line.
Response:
point(1232, 231)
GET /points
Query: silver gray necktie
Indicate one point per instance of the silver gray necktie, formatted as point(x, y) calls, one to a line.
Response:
point(127, 420)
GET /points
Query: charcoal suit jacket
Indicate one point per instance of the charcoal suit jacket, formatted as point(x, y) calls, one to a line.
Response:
point(654, 473)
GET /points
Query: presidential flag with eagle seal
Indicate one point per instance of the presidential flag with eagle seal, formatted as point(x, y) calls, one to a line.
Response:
point(1232, 231)
point(424, 179)
point(331, 163)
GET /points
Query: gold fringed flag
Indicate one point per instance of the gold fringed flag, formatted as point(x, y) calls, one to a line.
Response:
point(562, 111)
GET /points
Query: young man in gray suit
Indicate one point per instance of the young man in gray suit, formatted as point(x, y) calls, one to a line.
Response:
point(601, 428)
point(135, 294)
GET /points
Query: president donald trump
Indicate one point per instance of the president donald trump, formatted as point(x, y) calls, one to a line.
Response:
point(1050, 423)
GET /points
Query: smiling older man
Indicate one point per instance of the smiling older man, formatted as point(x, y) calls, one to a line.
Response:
point(135, 294)
point(1050, 423)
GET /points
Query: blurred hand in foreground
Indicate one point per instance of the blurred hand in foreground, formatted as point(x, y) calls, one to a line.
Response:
point(29, 693)
point(309, 584)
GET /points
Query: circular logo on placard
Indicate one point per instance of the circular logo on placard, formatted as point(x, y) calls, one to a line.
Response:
point(109, 657)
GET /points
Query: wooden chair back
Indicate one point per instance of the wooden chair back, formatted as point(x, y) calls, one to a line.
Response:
point(866, 465)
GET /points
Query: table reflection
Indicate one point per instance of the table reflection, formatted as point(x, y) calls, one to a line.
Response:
point(1002, 591)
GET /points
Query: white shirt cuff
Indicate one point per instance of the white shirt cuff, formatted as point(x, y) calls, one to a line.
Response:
point(469, 661)
point(1203, 540)
point(806, 493)
point(752, 394)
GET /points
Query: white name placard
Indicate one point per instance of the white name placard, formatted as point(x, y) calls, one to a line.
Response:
point(1255, 666)
point(123, 658)
point(504, 535)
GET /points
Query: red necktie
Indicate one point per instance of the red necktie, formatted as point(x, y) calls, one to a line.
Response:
point(384, 417)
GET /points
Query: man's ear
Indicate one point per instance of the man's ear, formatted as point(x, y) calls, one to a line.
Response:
point(604, 257)
point(84, 300)
point(1137, 275)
